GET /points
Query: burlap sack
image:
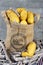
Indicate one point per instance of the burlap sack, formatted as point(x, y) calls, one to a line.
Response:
point(18, 35)
point(21, 35)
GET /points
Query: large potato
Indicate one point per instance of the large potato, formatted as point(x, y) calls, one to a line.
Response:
point(30, 17)
point(12, 16)
point(31, 49)
point(23, 15)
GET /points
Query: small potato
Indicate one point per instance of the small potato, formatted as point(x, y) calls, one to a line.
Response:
point(30, 17)
point(19, 10)
point(23, 15)
point(23, 22)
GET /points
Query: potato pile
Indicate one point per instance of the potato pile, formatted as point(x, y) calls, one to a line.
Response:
point(26, 17)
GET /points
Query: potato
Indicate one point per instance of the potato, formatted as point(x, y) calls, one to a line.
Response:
point(23, 15)
point(12, 16)
point(23, 22)
point(31, 49)
point(30, 17)
point(19, 10)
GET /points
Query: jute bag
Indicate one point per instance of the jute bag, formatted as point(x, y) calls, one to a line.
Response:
point(18, 35)
point(21, 35)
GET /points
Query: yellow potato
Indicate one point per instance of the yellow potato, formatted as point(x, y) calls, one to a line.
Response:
point(23, 22)
point(30, 13)
point(24, 54)
point(19, 10)
point(23, 15)
point(30, 17)
point(31, 49)
point(30, 20)
point(12, 16)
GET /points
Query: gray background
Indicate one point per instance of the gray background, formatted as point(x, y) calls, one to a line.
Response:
point(32, 5)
